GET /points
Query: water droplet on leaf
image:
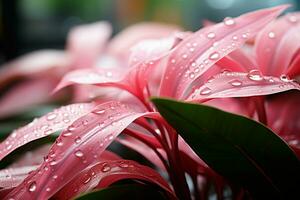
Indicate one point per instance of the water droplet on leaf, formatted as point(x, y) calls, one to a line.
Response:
point(255, 75)
point(205, 91)
point(214, 56)
point(228, 21)
point(32, 187)
point(78, 153)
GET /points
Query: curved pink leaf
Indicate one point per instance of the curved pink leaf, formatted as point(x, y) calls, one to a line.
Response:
point(151, 49)
point(234, 84)
point(276, 44)
point(286, 106)
point(105, 173)
point(248, 63)
point(39, 90)
point(86, 42)
point(122, 42)
point(34, 63)
point(197, 53)
point(12, 177)
point(42, 127)
point(76, 148)
point(294, 68)
point(134, 81)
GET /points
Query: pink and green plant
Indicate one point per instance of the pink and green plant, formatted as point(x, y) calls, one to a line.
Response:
point(238, 138)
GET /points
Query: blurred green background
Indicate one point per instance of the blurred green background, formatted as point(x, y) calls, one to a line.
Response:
point(27, 25)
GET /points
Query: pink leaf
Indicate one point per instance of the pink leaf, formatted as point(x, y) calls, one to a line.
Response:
point(120, 45)
point(86, 43)
point(234, 84)
point(91, 76)
point(276, 45)
point(77, 148)
point(42, 127)
point(197, 53)
point(39, 90)
point(105, 173)
point(33, 64)
point(151, 49)
point(294, 68)
point(12, 177)
point(134, 81)
point(286, 106)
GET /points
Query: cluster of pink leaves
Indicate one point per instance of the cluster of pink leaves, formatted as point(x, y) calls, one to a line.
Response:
point(208, 66)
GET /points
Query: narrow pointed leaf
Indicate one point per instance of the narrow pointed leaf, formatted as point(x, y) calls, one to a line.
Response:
point(77, 148)
point(12, 177)
point(234, 84)
point(197, 53)
point(242, 150)
point(106, 173)
point(277, 44)
point(86, 43)
point(39, 90)
point(122, 42)
point(44, 126)
point(34, 63)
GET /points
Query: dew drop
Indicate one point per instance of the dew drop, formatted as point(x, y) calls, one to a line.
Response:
point(66, 120)
point(59, 142)
point(48, 132)
point(71, 128)
point(48, 189)
point(123, 165)
point(78, 153)
point(77, 140)
point(99, 111)
point(292, 18)
point(192, 75)
point(235, 38)
point(32, 187)
point(192, 49)
point(271, 35)
point(228, 21)
point(9, 147)
point(205, 91)
point(87, 180)
point(67, 134)
point(109, 74)
point(110, 137)
point(85, 122)
point(235, 83)
point(173, 61)
point(211, 35)
point(284, 78)
point(106, 168)
point(255, 75)
point(184, 56)
point(51, 116)
point(244, 35)
point(214, 56)
point(52, 163)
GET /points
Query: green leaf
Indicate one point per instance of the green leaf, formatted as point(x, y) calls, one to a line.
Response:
point(129, 191)
point(240, 149)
